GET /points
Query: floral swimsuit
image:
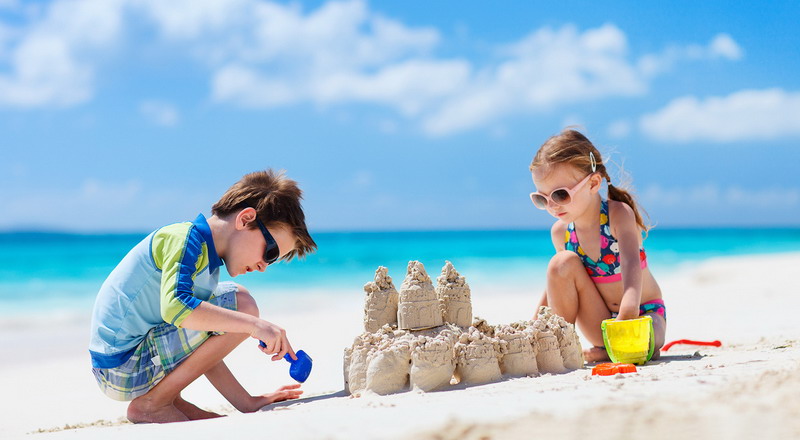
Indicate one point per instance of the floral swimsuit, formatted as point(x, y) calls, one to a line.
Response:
point(607, 269)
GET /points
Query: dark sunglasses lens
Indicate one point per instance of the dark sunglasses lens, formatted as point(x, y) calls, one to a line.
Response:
point(560, 196)
point(539, 201)
point(272, 253)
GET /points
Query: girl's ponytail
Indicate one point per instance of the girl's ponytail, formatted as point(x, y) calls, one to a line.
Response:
point(621, 195)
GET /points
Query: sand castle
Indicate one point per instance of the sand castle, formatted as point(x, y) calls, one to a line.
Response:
point(425, 338)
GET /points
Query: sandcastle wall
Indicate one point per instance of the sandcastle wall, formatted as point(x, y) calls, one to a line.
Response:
point(517, 348)
point(432, 362)
point(477, 358)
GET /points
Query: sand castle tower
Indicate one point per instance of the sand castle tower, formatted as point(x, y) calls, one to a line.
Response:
point(454, 297)
point(418, 306)
point(380, 306)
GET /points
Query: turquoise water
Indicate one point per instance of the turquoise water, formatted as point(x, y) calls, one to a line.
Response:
point(46, 271)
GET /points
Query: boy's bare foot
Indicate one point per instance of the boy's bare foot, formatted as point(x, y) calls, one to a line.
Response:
point(142, 410)
point(191, 411)
point(595, 354)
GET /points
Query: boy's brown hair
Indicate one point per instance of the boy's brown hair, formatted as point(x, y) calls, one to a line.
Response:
point(276, 199)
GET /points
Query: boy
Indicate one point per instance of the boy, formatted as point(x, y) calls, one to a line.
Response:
point(161, 319)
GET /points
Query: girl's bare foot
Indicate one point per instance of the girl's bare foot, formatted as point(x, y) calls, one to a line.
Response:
point(142, 410)
point(192, 411)
point(595, 354)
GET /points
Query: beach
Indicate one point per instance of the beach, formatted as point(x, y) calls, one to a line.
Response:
point(749, 386)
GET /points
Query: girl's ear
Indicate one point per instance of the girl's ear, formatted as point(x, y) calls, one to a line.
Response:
point(245, 217)
point(595, 182)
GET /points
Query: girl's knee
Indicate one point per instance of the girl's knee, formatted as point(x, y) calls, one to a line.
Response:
point(564, 264)
point(245, 302)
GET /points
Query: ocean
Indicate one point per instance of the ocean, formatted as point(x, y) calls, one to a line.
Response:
point(46, 272)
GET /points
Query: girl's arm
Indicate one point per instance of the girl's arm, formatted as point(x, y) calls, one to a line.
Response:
point(628, 235)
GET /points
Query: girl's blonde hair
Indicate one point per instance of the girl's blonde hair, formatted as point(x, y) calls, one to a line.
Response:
point(573, 148)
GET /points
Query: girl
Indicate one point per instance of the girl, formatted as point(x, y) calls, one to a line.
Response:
point(600, 269)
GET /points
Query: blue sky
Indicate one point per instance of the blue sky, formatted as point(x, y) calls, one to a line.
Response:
point(123, 115)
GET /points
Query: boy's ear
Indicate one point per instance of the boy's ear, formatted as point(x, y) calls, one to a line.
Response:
point(245, 217)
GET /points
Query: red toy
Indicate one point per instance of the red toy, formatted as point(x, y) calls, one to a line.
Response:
point(610, 369)
point(690, 342)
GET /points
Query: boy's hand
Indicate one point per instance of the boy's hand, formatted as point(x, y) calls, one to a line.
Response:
point(286, 392)
point(274, 338)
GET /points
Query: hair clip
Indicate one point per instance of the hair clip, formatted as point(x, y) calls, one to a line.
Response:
point(593, 161)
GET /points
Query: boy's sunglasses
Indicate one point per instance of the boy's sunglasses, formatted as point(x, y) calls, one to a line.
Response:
point(560, 196)
point(272, 253)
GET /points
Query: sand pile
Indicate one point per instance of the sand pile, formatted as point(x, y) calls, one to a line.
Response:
point(425, 338)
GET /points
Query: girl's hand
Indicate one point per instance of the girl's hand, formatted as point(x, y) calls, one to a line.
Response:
point(627, 313)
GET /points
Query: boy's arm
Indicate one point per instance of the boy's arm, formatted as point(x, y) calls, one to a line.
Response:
point(178, 250)
point(627, 232)
point(208, 317)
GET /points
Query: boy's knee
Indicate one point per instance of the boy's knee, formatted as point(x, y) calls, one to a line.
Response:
point(564, 264)
point(245, 302)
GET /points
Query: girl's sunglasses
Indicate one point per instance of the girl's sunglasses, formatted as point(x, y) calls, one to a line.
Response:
point(272, 252)
point(560, 196)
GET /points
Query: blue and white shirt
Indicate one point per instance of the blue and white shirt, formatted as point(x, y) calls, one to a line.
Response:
point(162, 279)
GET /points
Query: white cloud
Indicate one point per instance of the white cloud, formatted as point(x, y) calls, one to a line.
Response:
point(741, 116)
point(160, 112)
point(263, 54)
point(724, 46)
point(620, 128)
point(546, 69)
point(47, 65)
point(189, 19)
point(721, 46)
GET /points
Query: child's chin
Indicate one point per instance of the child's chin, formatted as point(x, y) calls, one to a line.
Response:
point(232, 274)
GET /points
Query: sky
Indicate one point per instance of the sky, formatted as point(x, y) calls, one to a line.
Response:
point(125, 115)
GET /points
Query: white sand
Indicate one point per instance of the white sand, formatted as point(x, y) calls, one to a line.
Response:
point(750, 387)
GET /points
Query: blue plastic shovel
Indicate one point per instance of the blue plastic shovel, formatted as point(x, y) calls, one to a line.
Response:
point(300, 368)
